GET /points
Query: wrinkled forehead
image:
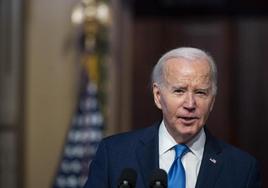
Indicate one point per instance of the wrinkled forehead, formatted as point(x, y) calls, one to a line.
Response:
point(183, 65)
point(182, 71)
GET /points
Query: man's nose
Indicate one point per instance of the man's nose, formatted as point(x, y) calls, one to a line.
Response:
point(189, 102)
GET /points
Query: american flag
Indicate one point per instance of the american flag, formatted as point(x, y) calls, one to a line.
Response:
point(82, 140)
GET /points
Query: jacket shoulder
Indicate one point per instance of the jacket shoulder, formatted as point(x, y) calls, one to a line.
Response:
point(131, 137)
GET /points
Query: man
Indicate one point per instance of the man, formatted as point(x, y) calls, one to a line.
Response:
point(184, 83)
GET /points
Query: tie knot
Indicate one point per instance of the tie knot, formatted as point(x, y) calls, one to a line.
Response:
point(180, 150)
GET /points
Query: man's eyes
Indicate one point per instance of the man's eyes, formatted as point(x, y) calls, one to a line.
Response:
point(201, 92)
point(197, 92)
point(179, 91)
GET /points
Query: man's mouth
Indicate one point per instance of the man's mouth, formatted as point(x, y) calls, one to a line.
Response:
point(188, 119)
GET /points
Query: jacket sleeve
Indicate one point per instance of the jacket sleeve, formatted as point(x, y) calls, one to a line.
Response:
point(98, 170)
point(254, 180)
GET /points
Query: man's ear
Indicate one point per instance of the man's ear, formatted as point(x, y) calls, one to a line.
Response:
point(157, 95)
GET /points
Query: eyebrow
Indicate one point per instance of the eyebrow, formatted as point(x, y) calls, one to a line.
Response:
point(178, 87)
point(206, 88)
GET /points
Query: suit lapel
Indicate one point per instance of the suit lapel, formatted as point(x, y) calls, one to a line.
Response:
point(211, 163)
point(147, 153)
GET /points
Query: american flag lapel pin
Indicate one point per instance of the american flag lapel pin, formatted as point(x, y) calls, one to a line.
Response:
point(213, 160)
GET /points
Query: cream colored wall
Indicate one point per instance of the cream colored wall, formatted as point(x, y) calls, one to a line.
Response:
point(51, 73)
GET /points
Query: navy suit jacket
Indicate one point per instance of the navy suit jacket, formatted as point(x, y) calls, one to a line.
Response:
point(223, 166)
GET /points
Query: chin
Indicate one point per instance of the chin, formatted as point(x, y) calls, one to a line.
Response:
point(189, 131)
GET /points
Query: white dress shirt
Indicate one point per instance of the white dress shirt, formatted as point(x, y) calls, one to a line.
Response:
point(191, 160)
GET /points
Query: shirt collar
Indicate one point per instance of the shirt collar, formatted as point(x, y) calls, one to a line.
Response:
point(166, 142)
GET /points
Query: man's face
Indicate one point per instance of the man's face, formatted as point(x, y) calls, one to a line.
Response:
point(185, 97)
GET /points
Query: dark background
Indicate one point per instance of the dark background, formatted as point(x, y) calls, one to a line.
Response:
point(236, 35)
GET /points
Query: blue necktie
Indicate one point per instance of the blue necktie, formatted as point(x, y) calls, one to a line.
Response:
point(176, 174)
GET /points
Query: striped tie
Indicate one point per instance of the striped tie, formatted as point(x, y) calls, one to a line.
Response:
point(176, 174)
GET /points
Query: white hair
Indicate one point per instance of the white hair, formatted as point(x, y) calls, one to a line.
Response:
point(185, 53)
